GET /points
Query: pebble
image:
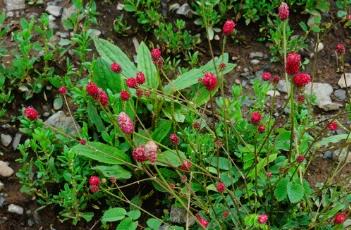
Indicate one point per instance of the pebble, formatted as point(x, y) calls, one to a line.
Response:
point(12, 5)
point(184, 9)
point(54, 10)
point(320, 47)
point(12, 208)
point(322, 91)
point(61, 121)
point(273, 93)
point(2, 186)
point(52, 23)
point(340, 94)
point(256, 55)
point(255, 61)
point(2, 200)
point(283, 87)
point(5, 169)
point(328, 155)
point(179, 215)
point(16, 141)
point(6, 139)
point(342, 82)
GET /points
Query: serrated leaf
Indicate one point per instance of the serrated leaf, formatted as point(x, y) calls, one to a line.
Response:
point(113, 214)
point(147, 66)
point(295, 191)
point(113, 171)
point(280, 191)
point(111, 53)
point(102, 153)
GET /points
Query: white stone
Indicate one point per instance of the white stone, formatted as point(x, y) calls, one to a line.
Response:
point(320, 47)
point(322, 91)
point(6, 139)
point(16, 141)
point(256, 55)
point(15, 5)
point(283, 87)
point(61, 121)
point(5, 169)
point(273, 93)
point(342, 82)
point(54, 10)
point(12, 208)
point(184, 9)
point(255, 61)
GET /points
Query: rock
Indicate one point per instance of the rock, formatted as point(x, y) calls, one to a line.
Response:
point(184, 9)
point(62, 34)
point(61, 121)
point(12, 208)
point(120, 6)
point(6, 139)
point(322, 91)
point(328, 155)
point(5, 169)
point(58, 103)
point(273, 93)
point(54, 10)
point(256, 55)
point(94, 32)
point(340, 94)
point(255, 61)
point(342, 155)
point(216, 37)
point(2, 201)
point(174, 7)
point(2, 186)
point(283, 87)
point(178, 216)
point(320, 47)
point(52, 23)
point(342, 82)
point(16, 141)
point(12, 5)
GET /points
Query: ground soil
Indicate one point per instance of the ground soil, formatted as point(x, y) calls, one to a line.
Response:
point(318, 170)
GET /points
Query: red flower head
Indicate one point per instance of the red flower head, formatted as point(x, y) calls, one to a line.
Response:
point(209, 80)
point(256, 117)
point(262, 219)
point(62, 90)
point(300, 158)
point(225, 214)
point(94, 188)
point(186, 165)
point(340, 218)
point(275, 79)
point(103, 98)
point(220, 187)
point(156, 54)
point(348, 17)
point(125, 123)
point(266, 76)
point(94, 180)
point(151, 151)
point(116, 68)
point(139, 154)
point(82, 141)
point(301, 79)
point(283, 11)
point(340, 49)
point(31, 113)
point(174, 139)
point(140, 78)
point(261, 128)
point(293, 62)
point(139, 92)
point(131, 82)
point(332, 126)
point(92, 89)
point(196, 125)
point(124, 95)
point(228, 27)
point(203, 222)
point(300, 99)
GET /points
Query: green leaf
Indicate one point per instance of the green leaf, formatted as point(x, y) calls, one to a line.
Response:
point(134, 214)
point(113, 214)
point(295, 191)
point(324, 142)
point(280, 191)
point(146, 65)
point(87, 216)
point(162, 129)
point(94, 117)
point(113, 171)
point(105, 78)
point(171, 158)
point(111, 53)
point(127, 224)
point(153, 223)
point(221, 162)
point(102, 153)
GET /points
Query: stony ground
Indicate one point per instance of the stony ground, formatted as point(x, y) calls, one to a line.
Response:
point(19, 212)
